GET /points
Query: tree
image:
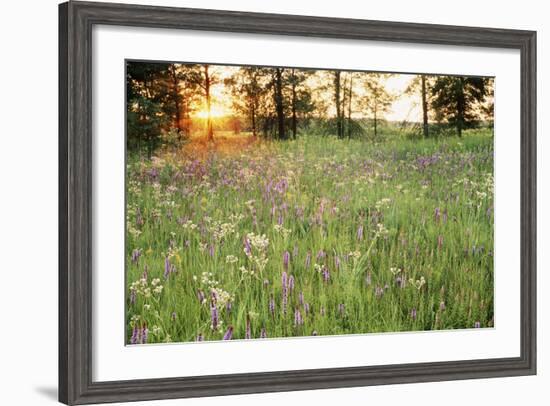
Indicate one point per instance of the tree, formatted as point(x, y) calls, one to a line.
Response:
point(300, 96)
point(279, 103)
point(247, 90)
point(146, 102)
point(421, 85)
point(455, 98)
point(377, 99)
point(338, 102)
point(205, 78)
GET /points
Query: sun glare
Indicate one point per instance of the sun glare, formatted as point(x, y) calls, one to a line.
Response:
point(215, 112)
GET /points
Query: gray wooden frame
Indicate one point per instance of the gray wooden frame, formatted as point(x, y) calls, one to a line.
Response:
point(75, 201)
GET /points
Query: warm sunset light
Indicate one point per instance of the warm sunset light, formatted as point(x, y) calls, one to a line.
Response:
point(285, 202)
point(215, 112)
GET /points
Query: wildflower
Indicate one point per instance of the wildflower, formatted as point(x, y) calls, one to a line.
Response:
point(144, 334)
point(378, 292)
point(228, 334)
point(439, 241)
point(394, 270)
point(263, 333)
point(231, 259)
point(413, 313)
point(200, 295)
point(314, 333)
point(321, 254)
point(326, 274)
point(228, 307)
point(135, 335)
point(136, 253)
point(133, 296)
point(291, 283)
point(286, 259)
point(322, 311)
point(214, 316)
point(301, 298)
point(266, 282)
point(200, 337)
point(360, 232)
point(337, 262)
point(166, 267)
point(477, 324)
point(308, 259)
point(442, 306)
point(173, 316)
point(298, 321)
point(306, 308)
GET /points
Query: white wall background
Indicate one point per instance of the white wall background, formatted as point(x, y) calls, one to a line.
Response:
point(28, 200)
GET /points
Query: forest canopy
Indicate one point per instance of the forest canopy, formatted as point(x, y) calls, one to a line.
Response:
point(167, 103)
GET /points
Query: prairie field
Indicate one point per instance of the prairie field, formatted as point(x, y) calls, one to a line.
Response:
point(249, 238)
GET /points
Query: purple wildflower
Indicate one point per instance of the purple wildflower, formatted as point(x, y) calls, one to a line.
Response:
point(135, 335)
point(166, 267)
point(399, 281)
point(228, 334)
point(301, 298)
point(360, 232)
point(173, 316)
point(442, 306)
point(247, 248)
point(200, 337)
point(326, 274)
point(133, 296)
point(291, 283)
point(200, 295)
point(136, 253)
point(337, 262)
point(321, 254)
point(228, 307)
point(211, 250)
point(263, 333)
point(298, 321)
point(308, 259)
point(306, 308)
point(286, 259)
point(214, 316)
point(413, 313)
point(295, 252)
point(144, 334)
point(477, 324)
point(379, 292)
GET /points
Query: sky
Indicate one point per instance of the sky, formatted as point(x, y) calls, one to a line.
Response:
point(404, 108)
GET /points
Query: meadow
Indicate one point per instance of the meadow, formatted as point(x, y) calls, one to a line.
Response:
point(250, 238)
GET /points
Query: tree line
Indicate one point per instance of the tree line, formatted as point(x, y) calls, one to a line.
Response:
point(277, 102)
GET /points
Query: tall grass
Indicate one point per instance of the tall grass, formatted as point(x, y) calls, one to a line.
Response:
point(392, 236)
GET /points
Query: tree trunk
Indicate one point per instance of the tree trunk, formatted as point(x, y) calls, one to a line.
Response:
point(349, 104)
point(461, 106)
point(253, 111)
point(209, 129)
point(337, 102)
point(294, 119)
point(279, 102)
point(424, 106)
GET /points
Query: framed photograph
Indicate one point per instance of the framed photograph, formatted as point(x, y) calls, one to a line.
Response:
point(259, 202)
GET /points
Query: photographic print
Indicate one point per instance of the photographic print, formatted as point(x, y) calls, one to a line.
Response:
point(275, 202)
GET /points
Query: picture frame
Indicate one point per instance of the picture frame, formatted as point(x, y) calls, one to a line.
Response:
point(76, 19)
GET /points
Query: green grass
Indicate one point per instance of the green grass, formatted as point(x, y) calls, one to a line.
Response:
point(425, 207)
